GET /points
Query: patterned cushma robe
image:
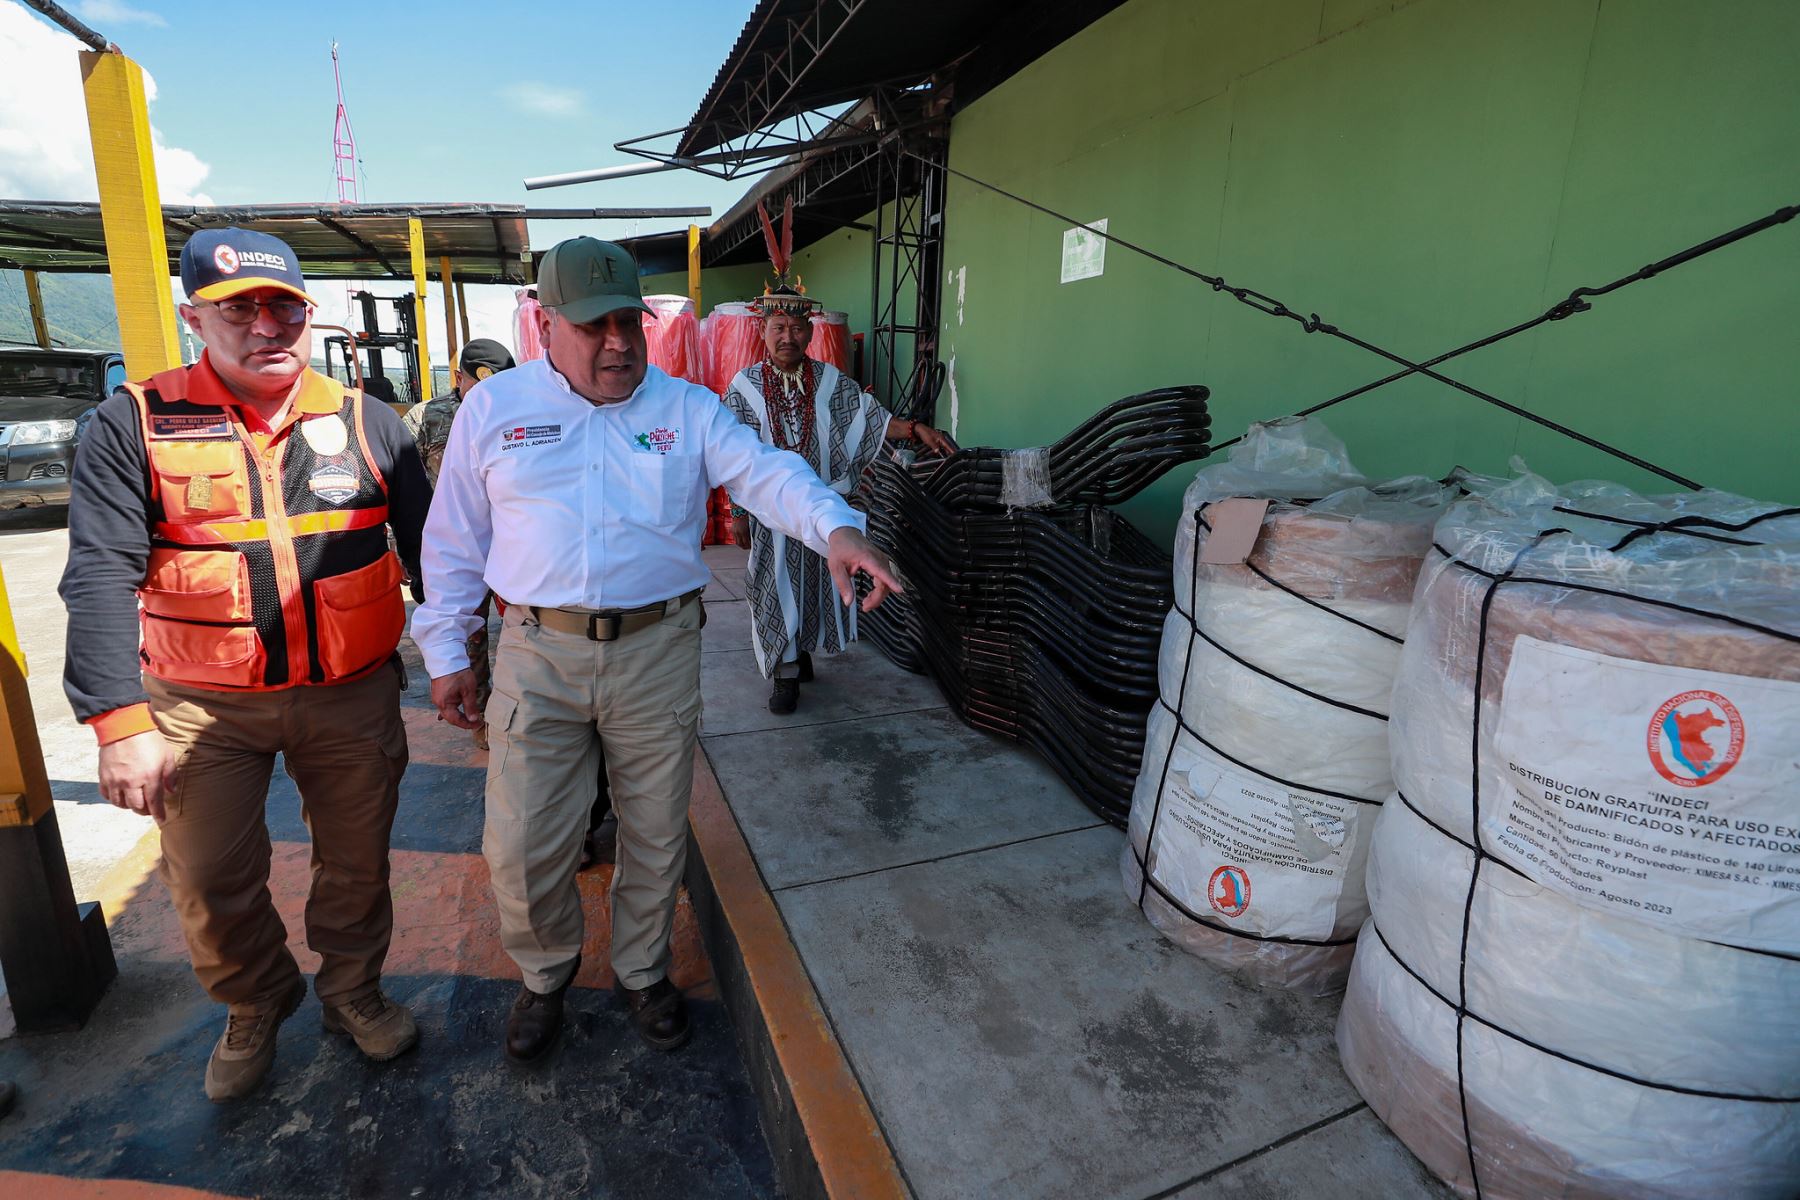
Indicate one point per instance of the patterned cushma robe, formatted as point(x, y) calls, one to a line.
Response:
point(794, 606)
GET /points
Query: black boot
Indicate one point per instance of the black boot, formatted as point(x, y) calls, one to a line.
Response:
point(805, 675)
point(535, 1020)
point(785, 697)
point(659, 1012)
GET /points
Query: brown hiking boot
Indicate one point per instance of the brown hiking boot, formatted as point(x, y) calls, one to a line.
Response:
point(247, 1048)
point(380, 1028)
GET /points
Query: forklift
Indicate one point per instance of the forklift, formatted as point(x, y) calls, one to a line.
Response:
point(346, 352)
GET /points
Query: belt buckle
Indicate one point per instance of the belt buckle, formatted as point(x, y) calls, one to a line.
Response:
point(607, 621)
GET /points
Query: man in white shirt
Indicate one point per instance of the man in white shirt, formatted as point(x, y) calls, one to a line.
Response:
point(575, 487)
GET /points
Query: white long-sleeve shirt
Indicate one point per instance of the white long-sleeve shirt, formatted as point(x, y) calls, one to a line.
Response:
point(552, 501)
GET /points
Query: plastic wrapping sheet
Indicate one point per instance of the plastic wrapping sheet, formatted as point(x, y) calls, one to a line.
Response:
point(733, 341)
point(1605, 1049)
point(1254, 809)
point(1025, 478)
point(831, 340)
point(525, 325)
point(672, 337)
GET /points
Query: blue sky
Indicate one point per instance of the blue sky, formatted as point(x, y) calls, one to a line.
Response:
point(450, 101)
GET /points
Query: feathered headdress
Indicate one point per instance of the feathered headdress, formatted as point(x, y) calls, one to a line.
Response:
point(784, 296)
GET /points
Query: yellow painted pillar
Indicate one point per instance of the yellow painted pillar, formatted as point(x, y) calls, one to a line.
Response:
point(415, 231)
point(131, 211)
point(444, 279)
point(34, 299)
point(462, 309)
point(24, 785)
point(54, 953)
point(694, 267)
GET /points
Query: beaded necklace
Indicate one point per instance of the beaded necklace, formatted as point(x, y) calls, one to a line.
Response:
point(793, 423)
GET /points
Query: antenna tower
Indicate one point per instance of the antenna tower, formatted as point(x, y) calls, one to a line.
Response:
point(343, 140)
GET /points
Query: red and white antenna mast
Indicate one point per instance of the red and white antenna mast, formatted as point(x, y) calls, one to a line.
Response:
point(343, 140)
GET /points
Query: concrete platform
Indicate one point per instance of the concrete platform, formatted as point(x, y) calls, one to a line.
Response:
point(1015, 1025)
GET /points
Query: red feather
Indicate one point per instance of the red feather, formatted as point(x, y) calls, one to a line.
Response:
point(787, 234)
point(778, 257)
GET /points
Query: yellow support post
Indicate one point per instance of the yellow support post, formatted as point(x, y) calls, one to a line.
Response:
point(694, 267)
point(34, 299)
point(415, 232)
point(54, 953)
point(444, 278)
point(462, 310)
point(131, 211)
point(24, 785)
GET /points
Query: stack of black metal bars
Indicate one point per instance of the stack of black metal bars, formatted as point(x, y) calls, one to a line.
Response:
point(1038, 609)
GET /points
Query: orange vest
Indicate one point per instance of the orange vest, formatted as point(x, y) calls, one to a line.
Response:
point(267, 569)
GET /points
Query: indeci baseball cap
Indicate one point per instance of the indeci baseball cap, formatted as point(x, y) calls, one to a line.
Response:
point(217, 263)
point(585, 278)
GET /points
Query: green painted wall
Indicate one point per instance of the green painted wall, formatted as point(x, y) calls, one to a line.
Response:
point(1420, 174)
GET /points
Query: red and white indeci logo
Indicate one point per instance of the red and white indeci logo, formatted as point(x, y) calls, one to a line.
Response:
point(1694, 738)
point(1229, 890)
point(226, 259)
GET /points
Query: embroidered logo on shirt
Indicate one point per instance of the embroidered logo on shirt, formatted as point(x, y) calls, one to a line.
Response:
point(190, 427)
point(529, 435)
point(658, 440)
point(334, 483)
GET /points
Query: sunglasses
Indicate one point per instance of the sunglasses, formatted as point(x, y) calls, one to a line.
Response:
point(243, 311)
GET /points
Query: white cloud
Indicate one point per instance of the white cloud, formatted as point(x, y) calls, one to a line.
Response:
point(540, 99)
point(112, 12)
point(45, 153)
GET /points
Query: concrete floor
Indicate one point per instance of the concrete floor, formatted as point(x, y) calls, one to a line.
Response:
point(1018, 1027)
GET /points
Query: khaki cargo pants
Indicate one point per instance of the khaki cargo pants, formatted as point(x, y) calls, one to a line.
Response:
point(558, 698)
point(345, 746)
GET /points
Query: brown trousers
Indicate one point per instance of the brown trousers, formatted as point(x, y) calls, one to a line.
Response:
point(345, 746)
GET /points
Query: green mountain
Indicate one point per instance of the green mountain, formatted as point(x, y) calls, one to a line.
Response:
point(78, 308)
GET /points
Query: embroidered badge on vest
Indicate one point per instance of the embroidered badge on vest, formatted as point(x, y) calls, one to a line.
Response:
point(334, 483)
point(199, 493)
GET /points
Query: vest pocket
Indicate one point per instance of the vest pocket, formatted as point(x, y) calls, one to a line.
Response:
point(200, 481)
point(226, 655)
point(361, 615)
point(197, 585)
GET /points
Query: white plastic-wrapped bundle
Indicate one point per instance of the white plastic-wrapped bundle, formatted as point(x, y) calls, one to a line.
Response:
point(1267, 758)
point(1582, 973)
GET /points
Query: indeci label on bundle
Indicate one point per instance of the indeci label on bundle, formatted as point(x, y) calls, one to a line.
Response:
point(1242, 851)
point(1652, 791)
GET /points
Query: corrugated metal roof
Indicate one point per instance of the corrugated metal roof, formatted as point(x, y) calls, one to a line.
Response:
point(795, 56)
point(486, 243)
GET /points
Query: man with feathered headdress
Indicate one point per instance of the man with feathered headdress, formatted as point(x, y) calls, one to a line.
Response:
point(811, 408)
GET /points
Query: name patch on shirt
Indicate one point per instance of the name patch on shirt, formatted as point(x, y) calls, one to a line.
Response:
point(658, 441)
point(190, 427)
point(529, 435)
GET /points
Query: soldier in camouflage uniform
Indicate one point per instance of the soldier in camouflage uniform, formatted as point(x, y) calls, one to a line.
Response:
point(430, 426)
point(430, 421)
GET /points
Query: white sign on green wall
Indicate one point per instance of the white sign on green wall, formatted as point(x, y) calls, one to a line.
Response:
point(1084, 252)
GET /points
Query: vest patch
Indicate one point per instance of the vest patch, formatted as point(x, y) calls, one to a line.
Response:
point(190, 427)
point(325, 434)
point(334, 483)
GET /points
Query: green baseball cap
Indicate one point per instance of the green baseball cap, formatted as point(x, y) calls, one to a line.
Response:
point(585, 278)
